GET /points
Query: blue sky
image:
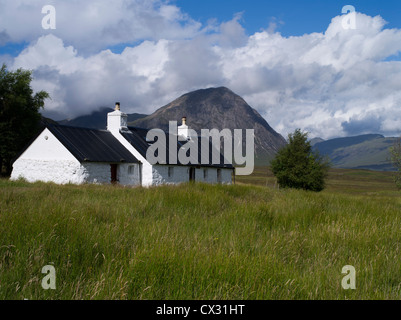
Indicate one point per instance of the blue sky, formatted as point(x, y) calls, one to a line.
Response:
point(293, 61)
point(297, 17)
point(291, 17)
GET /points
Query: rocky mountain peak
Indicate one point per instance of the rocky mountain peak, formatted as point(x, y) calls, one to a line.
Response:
point(218, 108)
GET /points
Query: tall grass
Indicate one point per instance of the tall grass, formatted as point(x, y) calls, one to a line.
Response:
point(196, 241)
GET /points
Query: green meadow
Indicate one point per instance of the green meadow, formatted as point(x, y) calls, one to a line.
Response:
point(251, 240)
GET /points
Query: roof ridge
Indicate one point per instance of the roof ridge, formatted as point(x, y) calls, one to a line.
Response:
point(74, 127)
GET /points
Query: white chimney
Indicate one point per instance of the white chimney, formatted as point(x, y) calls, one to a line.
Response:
point(117, 120)
point(183, 129)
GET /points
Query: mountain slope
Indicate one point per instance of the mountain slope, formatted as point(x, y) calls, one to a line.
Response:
point(218, 108)
point(97, 119)
point(360, 152)
point(315, 141)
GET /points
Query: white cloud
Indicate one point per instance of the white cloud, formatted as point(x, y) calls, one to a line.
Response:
point(232, 34)
point(49, 51)
point(319, 81)
point(93, 25)
point(330, 84)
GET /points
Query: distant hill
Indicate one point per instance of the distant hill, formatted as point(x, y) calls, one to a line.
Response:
point(315, 141)
point(97, 119)
point(368, 151)
point(44, 121)
point(218, 108)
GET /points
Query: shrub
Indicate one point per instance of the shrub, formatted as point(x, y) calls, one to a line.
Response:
point(298, 166)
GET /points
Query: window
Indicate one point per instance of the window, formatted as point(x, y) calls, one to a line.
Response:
point(131, 169)
point(204, 174)
point(219, 175)
point(170, 172)
point(191, 174)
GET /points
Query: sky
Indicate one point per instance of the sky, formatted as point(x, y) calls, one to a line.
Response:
point(300, 64)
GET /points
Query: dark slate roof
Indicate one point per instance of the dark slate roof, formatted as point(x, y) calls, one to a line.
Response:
point(137, 138)
point(92, 145)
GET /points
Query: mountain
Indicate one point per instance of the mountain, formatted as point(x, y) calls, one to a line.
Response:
point(45, 121)
point(218, 108)
point(315, 141)
point(97, 119)
point(369, 151)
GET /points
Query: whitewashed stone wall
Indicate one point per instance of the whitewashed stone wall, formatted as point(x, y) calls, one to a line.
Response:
point(211, 175)
point(65, 171)
point(129, 174)
point(226, 176)
point(101, 173)
point(57, 171)
point(181, 174)
point(160, 175)
point(96, 172)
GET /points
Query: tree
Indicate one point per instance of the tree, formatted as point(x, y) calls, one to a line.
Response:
point(19, 113)
point(298, 166)
point(395, 157)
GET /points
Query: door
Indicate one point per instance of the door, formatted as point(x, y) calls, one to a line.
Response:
point(113, 171)
point(191, 174)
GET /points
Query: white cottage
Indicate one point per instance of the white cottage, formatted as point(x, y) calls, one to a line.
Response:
point(64, 154)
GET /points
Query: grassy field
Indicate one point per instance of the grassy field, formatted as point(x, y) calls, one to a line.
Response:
point(345, 181)
point(197, 241)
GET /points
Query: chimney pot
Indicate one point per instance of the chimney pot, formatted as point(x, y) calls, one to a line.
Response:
point(183, 129)
point(117, 120)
